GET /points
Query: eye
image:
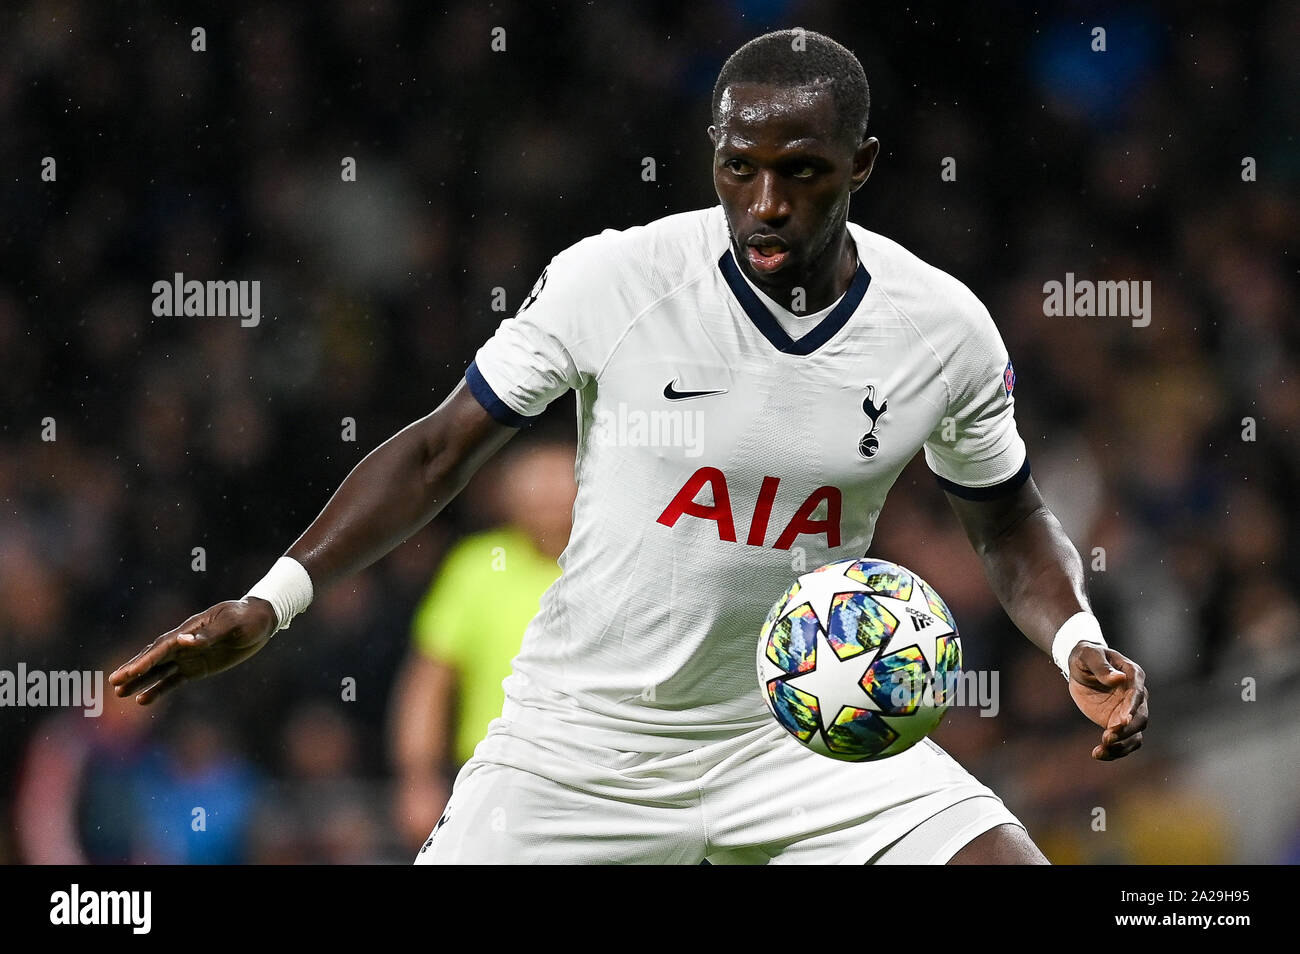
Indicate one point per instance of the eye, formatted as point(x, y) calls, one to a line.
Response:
point(803, 171)
point(738, 166)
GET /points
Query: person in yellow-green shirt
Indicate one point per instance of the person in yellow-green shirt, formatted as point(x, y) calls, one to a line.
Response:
point(468, 628)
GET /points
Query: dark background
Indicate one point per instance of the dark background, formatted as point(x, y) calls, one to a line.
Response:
point(474, 168)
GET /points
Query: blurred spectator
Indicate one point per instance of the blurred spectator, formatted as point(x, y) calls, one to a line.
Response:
point(81, 795)
point(103, 790)
point(321, 811)
point(468, 629)
point(195, 797)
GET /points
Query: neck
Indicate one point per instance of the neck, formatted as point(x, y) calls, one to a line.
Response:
point(828, 280)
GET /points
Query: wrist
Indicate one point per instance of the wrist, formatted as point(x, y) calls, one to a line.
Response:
point(1082, 627)
point(258, 602)
point(287, 588)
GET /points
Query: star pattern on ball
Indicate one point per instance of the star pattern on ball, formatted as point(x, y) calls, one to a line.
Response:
point(819, 591)
point(848, 659)
point(833, 679)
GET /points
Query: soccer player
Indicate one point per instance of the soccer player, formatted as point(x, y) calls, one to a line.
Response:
point(633, 729)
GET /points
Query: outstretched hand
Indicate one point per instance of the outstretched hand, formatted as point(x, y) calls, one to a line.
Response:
point(1110, 689)
point(218, 638)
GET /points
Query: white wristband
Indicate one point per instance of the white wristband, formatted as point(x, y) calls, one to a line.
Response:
point(288, 589)
point(1079, 628)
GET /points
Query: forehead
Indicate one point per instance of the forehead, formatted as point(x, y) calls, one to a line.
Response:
point(758, 110)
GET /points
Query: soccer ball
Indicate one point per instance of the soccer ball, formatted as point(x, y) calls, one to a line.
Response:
point(859, 660)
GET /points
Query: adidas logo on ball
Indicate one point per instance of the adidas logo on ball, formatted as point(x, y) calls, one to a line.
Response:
point(919, 620)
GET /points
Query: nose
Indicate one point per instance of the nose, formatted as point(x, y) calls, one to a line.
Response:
point(769, 204)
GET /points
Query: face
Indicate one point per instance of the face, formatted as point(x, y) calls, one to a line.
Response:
point(784, 171)
point(539, 492)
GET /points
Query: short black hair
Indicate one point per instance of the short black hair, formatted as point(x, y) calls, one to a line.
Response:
point(799, 57)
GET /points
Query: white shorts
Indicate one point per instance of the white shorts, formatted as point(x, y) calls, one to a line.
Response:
point(755, 798)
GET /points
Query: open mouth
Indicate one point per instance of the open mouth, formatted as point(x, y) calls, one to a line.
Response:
point(766, 256)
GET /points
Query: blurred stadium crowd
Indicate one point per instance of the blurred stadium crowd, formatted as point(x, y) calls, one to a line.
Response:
point(474, 166)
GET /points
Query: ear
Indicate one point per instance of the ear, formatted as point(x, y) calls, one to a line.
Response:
point(713, 135)
point(864, 160)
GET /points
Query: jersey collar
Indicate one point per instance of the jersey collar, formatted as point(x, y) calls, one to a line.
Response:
point(771, 329)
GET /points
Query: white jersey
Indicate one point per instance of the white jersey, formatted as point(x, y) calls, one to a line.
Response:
point(718, 458)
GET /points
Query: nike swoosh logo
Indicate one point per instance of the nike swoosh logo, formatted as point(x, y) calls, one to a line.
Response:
point(672, 394)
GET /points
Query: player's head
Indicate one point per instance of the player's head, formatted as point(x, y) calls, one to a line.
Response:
point(790, 146)
point(800, 58)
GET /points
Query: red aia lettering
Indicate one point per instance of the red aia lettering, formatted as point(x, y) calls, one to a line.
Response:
point(684, 502)
point(802, 521)
point(762, 512)
point(720, 510)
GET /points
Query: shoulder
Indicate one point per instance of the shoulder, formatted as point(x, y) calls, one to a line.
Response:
point(939, 305)
point(645, 261)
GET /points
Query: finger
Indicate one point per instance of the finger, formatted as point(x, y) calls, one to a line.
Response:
point(145, 668)
point(1117, 750)
point(1120, 661)
point(169, 678)
point(1117, 747)
point(136, 675)
point(146, 659)
point(1095, 670)
point(129, 669)
point(1138, 704)
point(1105, 670)
point(1127, 720)
point(135, 681)
point(1134, 673)
point(1119, 733)
point(127, 678)
point(1134, 720)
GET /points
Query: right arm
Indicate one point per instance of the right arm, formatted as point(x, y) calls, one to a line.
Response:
point(398, 488)
point(420, 725)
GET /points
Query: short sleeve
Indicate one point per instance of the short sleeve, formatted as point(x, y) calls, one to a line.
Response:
point(976, 452)
point(560, 337)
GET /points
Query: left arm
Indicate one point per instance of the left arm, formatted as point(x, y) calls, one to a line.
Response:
point(1037, 575)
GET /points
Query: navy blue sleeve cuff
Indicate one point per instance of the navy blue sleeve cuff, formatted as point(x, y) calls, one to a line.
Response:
point(483, 393)
point(1012, 483)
